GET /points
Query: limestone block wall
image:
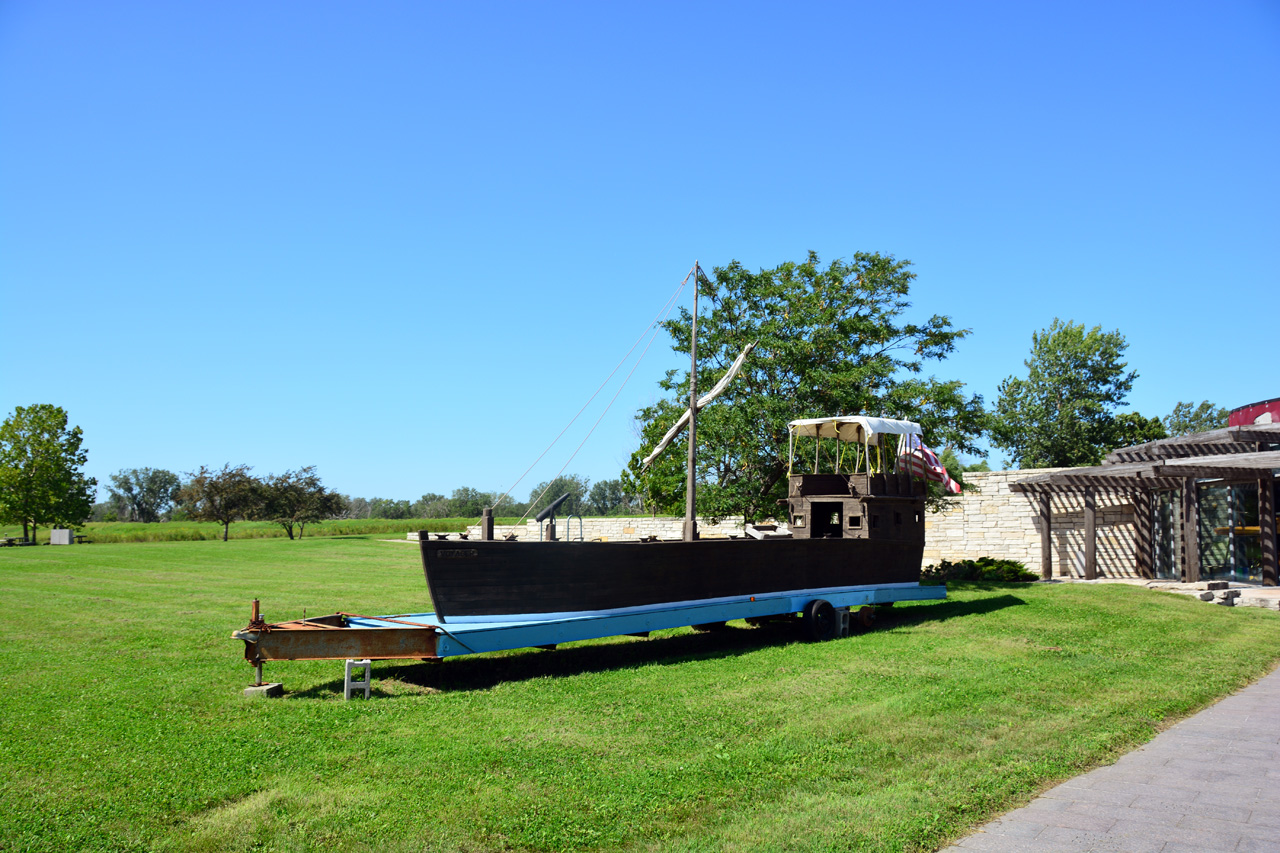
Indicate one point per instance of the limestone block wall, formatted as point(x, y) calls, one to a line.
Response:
point(997, 522)
point(615, 529)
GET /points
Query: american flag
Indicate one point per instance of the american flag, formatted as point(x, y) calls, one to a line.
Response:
point(915, 457)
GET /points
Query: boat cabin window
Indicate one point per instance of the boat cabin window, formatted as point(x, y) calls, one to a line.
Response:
point(826, 521)
point(855, 521)
point(897, 518)
point(798, 520)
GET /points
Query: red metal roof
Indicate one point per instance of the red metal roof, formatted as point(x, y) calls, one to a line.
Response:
point(1247, 415)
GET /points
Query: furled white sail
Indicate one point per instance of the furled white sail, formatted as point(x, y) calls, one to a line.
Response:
point(702, 401)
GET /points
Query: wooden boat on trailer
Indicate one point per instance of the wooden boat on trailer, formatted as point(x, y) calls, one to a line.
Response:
point(854, 538)
point(861, 527)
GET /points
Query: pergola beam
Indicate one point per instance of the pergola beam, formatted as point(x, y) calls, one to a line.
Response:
point(1046, 537)
point(1180, 451)
point(1144, 542)
point(1216, 442)
point(1211, 472)
point(1079, 483)
point(1267, 530)
point(1190, 531)
point(1257, 432)
point(1090, 535)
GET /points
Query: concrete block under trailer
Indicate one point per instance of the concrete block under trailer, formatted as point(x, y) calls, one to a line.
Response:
point(420, 636)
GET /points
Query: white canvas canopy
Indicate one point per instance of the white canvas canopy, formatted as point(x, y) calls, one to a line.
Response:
point(857, 428)
point(863, 432)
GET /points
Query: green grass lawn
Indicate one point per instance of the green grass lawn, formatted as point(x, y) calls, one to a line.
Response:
point(123, 727)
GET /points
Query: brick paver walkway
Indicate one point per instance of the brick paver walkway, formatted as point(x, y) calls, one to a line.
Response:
point(1210, 783)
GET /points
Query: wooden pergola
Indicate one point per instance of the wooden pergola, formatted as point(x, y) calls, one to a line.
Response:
point(1233, 455)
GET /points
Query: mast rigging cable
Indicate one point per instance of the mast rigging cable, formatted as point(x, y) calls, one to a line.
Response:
point(651, 330)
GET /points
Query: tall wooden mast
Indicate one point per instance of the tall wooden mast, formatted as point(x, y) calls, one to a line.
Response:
point(691, 489)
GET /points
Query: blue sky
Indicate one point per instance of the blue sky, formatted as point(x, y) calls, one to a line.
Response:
point(404, 242)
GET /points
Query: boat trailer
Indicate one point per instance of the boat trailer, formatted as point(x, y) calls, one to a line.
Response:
point(825, 614)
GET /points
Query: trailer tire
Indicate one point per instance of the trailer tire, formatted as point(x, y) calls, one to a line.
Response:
point(820, 621)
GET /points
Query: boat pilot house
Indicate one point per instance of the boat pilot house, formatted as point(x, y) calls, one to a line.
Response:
point(875, 498)
point(1204, 504)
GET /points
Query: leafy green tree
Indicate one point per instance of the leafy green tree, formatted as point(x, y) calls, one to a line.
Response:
point(829, 341)
point(41, 476)
point(430, 505)
point(108, 510)
point(297, 498)
point(144, 494)
point(1188, 418)
point(358, 508)
point(1132, 428)
point(222, 496)
point(577, 487)
point(607, 497)
point(388, 508)
point(1063, 413)
point(467, 502)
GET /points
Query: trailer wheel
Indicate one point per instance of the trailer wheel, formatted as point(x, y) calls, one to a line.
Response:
point(866, 616)
point(820, 621)
point(708, 626)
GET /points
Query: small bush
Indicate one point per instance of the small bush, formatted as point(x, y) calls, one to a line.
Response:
point(981, 569)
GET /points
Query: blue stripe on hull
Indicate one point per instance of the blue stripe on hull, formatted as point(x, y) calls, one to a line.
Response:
point(513, 631)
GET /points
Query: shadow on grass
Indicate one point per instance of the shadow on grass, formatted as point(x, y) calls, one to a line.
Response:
point(482, 672)
point(940, 611)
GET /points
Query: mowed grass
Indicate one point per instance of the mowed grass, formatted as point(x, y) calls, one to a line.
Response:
point(123, 727)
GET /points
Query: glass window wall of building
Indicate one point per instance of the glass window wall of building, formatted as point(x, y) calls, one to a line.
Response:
point(1166, 530)
point(1230, 543)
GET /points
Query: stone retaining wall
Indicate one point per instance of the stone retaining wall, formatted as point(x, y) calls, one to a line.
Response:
point(997, 522)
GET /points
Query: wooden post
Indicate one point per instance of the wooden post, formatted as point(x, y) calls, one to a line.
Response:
point(1267, 531)
point(1046, 537)
point(1090, 534)
point(1143, 547)
point(1190, 532)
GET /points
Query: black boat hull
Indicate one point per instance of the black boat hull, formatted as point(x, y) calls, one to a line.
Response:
point(490, 578)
